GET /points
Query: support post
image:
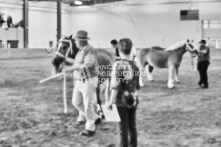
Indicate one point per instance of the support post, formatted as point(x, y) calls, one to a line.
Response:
point(58, 20)
point(25, 20)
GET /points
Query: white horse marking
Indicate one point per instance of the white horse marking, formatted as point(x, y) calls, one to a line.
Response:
point(59, 47)
point(171, 77)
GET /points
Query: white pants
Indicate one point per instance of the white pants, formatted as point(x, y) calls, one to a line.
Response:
point(85, 100)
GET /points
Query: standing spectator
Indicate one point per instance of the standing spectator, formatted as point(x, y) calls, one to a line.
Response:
point(203, 64)
point(133, 53)
point(124, 83)
point(133, 56)
point(86, 76)
point(114, 45)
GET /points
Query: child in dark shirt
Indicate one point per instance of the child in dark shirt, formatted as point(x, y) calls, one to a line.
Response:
point(124, 83)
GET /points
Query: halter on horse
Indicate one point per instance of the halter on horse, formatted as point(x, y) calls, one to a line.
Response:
point(165, 58)
point(67, 48)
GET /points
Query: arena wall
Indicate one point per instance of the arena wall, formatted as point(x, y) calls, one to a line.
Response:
point(9, 54)
point(11, 34)
point(6, 54)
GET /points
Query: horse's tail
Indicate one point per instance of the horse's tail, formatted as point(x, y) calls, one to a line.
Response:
point(142, 57)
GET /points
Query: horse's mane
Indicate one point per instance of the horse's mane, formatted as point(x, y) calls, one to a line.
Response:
point(176, 45)
point(157, 48)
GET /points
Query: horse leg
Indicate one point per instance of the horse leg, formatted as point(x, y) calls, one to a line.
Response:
point(171, 77)
point(107, 91)
point(149, 70)
point(137, 62)
point(140, 80)
point(99, 108)
point(176, 74)
point(140, 76)
point(53, 71)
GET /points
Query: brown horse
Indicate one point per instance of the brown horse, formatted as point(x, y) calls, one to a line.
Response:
point(165, 58)
point(67, 48)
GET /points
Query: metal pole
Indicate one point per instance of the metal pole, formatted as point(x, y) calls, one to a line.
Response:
point(25, 19)
point(58, 19)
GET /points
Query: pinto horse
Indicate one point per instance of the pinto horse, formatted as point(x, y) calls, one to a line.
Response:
point(165, 58)
point(67, 48)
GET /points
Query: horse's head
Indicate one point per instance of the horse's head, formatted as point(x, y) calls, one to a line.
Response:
point(190, 48)
point(66, 48)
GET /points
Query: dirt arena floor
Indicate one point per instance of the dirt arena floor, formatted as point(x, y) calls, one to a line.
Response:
point(31, 114)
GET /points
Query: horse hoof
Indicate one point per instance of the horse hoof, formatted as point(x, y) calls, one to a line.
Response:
point(150, 78)
point(177, 80)
point(170, 86)
point(142, 85)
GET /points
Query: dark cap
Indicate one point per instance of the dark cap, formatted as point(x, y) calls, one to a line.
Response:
point(203, 41)
point(114, 42)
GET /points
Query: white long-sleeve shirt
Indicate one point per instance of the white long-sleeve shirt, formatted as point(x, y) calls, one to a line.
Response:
point(133, 53)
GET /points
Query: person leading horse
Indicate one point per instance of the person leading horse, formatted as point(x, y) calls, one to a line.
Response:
point(88, 65)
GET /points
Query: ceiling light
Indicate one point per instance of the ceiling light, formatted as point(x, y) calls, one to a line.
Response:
point(78, 2)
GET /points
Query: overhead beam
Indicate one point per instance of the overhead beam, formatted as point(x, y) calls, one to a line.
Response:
point(93, 2)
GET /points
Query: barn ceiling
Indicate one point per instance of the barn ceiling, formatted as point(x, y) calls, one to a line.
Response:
point(122, 2)
point(84, 2)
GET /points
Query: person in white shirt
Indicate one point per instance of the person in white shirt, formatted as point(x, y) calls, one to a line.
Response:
point(133, 56)
point(133, 53)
